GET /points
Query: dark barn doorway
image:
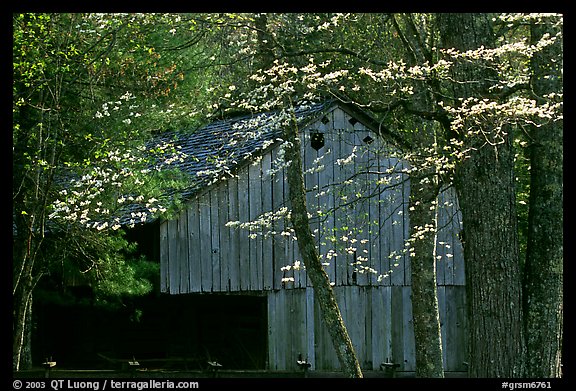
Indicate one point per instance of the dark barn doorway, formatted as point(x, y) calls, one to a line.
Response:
point(228, 329)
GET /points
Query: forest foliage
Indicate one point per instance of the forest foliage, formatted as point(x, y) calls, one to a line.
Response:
point(91, 90)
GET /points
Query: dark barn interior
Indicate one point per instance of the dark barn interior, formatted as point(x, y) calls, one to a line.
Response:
point(160, 331)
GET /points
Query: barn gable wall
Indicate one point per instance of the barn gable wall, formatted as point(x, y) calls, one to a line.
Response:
point(200, 253)
point(356, 182)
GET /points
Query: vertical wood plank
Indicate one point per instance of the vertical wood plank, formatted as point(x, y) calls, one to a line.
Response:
point(194, 256)
point(205, 241)
point(244, 216)
point(183, 243)
point(458, 252)
point(377, 336)
point(381, 326)
point(292, 323)
point(368, 334)
point(326, 200)
point(398, 326)
point(361, 209)
point(373, 211)
point(164, 258)
point(224, 239)
point(443, 275)
point(310, 184)
point(283, 328)
point(310, 328)
point(355, 309)
point(278, 240)
point(398, 216)
point(456, 229)
point(339, 214)
point(267, 240)
point(348, 146)
point(441, 294)
point(451, 329)
point(383, 218)
point(273, 329)
point(291, 251)
point(461, 324)
point(292, 327)
point(255, 181)
point(386, 217)
point(312, 165)
point(409, 342)
point(300, 302)
point(215, 239)
point(234, 234)
point(173, 256)
point(455, 328)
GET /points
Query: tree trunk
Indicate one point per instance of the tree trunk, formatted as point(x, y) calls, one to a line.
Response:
point(485, 187)
point(24, 282)
point(544, 259)
point(314, 269)
point(425, 315)
point(24, 244)
point(423, 222)
point(265, 52)
point(21, 327)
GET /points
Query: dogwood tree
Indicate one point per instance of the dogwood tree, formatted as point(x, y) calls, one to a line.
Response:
point(477, 86)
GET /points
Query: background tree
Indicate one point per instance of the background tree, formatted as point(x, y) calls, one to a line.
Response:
point(491, 109)
point(78, 130)
point(485, 187)
point(543, 290)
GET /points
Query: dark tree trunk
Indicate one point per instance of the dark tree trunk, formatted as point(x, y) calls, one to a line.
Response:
point(265, 53)
point(485, 187)
point(544, 259)
point(314, 269)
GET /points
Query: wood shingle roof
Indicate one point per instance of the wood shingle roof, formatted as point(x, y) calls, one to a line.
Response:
point(218, 148)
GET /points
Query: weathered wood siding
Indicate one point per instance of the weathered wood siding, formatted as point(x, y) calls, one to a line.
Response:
point(357, 194)
point(358, 198)
point(379, 322)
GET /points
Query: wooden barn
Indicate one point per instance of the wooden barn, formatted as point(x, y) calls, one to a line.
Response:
point(358, 201)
